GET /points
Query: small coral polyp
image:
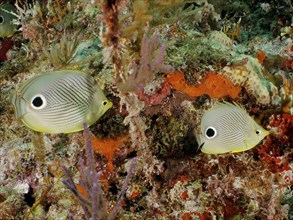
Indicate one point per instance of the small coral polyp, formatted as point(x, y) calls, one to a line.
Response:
point(248, 72)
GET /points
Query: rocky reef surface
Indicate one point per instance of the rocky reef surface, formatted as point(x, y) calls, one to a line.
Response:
point(162, 64)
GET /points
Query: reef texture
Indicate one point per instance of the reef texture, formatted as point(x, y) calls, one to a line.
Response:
point(162, 64)
point(246, 71)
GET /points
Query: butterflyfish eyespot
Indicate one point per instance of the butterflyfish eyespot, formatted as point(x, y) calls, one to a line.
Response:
point(210, 132)
point(38, 102)
point(1, 19)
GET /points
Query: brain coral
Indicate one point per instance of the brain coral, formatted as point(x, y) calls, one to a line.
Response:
point(246, 71)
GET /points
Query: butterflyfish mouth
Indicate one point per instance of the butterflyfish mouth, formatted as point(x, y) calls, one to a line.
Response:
point(110, 104)
point(266, 133)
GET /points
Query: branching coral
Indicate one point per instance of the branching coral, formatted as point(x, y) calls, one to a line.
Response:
point(153, 95)
point(30, 26)
point(91, 198)
point(151, 62)
point(53, 15)
point(111, 39)
point(166, 12)
point(136, 123)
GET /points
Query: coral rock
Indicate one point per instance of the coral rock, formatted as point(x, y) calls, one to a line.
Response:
point(5, 46)
point(276, 150)
point(248, 72)
point(156, 97)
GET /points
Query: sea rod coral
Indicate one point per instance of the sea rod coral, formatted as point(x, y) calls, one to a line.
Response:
point(91, 196)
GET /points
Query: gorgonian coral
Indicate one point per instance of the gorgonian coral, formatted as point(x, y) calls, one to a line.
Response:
point(89, 191)
point(151, 62)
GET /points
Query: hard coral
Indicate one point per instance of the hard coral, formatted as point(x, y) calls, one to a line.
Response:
point(214, 85)
point(246, 71)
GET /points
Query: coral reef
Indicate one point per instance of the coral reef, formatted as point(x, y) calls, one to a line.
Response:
point(152, 56)
point(5, 46)
point(162, 64)
point(275, 151)
point(89, 191)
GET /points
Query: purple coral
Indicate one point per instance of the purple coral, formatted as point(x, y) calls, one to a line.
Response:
point(95, 205)
point(152, 56)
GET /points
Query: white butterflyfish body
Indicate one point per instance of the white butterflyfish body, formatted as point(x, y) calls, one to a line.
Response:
point(228, 128)
point(59, 102)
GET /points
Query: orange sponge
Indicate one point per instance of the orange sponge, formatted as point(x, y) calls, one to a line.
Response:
point(214, 85)
point(108, 147)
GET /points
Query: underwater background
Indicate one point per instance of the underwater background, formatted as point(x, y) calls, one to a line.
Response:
point(163, 64)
